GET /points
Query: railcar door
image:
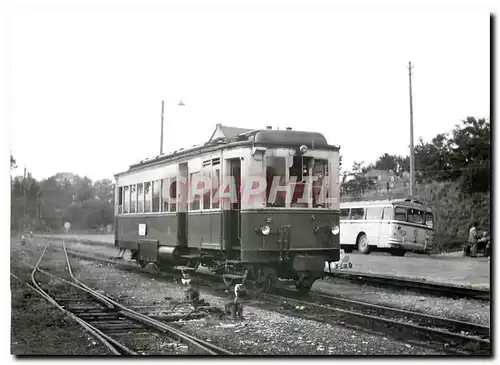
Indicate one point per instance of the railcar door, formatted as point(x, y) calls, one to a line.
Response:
point(182, 209)
point(233, 216)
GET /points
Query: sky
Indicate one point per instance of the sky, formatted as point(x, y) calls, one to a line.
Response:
point(85, 84)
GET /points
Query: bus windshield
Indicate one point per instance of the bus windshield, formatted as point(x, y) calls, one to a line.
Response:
point(415, 216)
point(429, 220)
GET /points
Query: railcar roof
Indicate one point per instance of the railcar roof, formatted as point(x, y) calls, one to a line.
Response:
point(269, 137)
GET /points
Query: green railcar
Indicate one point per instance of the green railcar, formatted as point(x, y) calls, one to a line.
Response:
point(254, 207)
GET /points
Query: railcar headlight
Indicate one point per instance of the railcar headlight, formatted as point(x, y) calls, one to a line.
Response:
point(303, 149)
point(265, 230)
point(335, 230)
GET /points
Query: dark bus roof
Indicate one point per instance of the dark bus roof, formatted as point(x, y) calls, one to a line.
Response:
point(262, 137)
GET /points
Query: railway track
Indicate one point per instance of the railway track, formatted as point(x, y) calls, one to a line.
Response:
point(413, 285)
point(115, 325)
point(445, 334)
point(451, 336)
point(429, 288)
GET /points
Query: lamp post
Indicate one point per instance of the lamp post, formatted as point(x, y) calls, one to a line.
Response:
point(161, 133)
point(412, 155)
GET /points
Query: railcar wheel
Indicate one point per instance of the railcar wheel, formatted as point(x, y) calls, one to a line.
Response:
point(304, 285)
point(263, 280)
point(363, 245)
point(398, 252)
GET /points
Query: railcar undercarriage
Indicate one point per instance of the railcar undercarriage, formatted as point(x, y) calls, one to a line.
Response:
point(300, 268)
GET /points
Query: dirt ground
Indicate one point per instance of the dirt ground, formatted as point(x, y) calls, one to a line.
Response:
point(260, 332)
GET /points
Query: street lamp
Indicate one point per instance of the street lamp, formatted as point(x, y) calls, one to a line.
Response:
point(161, 134)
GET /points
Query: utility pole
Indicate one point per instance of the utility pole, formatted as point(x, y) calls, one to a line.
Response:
point(412, 157)
point(25, 199)
point(161, 134)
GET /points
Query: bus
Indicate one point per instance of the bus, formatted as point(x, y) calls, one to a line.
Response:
point(393, 226)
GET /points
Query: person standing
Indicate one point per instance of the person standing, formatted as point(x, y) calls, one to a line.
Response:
point(473, 240)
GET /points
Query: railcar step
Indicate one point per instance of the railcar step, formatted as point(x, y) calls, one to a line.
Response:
point(233, 276)
point(191, 256)
point(184, 268)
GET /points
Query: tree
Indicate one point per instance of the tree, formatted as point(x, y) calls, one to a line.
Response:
point(13, 164)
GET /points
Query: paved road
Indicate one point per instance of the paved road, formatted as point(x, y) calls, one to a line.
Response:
point(446, 269)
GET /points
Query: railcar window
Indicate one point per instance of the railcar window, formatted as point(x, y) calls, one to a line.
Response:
point(147, 197)
point(374, 213)
point(320, 170)
point(133, 198)
point(215, 189)
point(120, 200)
point(400, 214)
point(173, 194)
point(140, 198)
point(194, 195)
point(275, 166)
point(387, 213)
point(429, 220)
point(320, 167)
point(165, 190)
point(156, 195)
point(416, 216)
point(301, 167)
point(127, 200)
point(357, 213)
point(344, 213)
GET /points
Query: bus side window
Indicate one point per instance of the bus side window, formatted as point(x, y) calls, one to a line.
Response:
point(387, 213)
point(400, 214)
point(374, 213)
point(357, 213)
point(344, 214)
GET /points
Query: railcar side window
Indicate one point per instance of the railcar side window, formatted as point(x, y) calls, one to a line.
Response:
point(400, 214)
point(387, 213)
point(133, 198)
point(173, 194)
point(215, 189)
point(344, 214)
point(140, 198)
point(374, 213)
point(194, 195)
point(276, 167)
point(206, 190)
point(165, 190)
point(156, 195)
point(120, 200)
point(127, 199)
point(357, 213)
point(416, 216)
point(147, 197)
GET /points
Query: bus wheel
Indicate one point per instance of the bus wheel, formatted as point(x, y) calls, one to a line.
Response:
point(363, 245)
